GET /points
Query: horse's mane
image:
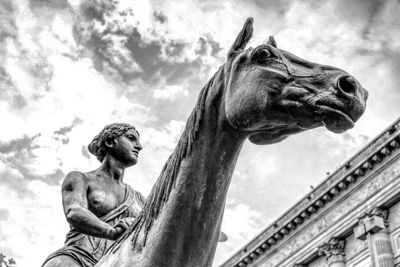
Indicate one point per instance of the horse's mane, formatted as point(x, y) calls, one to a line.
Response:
point(161, 191)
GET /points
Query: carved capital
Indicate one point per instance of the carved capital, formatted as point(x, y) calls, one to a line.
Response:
point(334, 250)
point(380, 212)
point(371, 222)
point(376, 211)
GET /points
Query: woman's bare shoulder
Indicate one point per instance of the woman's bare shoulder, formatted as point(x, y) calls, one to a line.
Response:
point(75, 177)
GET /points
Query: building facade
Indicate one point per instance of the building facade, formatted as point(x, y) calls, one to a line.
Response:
point(351, 219)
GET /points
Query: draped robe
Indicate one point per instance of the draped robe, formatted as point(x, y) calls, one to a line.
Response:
point(86, 249)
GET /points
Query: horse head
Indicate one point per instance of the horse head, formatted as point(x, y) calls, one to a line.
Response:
point(271, 93)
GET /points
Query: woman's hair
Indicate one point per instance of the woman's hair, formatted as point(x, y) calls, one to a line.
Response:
point(114, 130)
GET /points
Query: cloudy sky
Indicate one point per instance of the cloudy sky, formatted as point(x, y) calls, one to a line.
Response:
point(69, 67)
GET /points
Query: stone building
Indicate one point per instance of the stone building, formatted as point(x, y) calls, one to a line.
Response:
point(350, 219)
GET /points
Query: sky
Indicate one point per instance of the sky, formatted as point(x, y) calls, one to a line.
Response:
point(69, 67)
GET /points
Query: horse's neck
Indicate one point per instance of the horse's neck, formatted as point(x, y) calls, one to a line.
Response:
point(187, 230)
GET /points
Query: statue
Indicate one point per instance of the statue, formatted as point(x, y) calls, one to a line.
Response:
point(98, 205)
point(264, 94)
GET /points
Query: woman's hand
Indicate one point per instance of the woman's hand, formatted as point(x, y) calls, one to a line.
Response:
point(121, 227)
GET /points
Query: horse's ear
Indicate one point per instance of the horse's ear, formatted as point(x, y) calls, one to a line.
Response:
point(271, 41)
point(243, 38)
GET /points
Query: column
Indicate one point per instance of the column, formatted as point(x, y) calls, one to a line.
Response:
point(334, 252)
point(373, 228)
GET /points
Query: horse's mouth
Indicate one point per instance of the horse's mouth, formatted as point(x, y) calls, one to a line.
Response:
point(335, 119)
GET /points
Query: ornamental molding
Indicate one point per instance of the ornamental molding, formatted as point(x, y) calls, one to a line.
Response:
point(350, 174)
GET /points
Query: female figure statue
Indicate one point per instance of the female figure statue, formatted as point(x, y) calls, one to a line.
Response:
point(98, 205)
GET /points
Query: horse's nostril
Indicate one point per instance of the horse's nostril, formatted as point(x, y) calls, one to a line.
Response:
point(347, 84)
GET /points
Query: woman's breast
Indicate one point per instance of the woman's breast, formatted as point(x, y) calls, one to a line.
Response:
point(101, 202)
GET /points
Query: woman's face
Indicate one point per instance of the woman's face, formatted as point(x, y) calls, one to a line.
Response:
point(127, 148)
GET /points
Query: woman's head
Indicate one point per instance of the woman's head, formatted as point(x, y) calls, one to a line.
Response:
point(100, 143)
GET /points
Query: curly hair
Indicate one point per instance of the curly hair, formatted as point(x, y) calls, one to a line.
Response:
point(111, 131)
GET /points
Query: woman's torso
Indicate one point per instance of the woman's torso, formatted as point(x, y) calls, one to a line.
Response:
point(104, 195)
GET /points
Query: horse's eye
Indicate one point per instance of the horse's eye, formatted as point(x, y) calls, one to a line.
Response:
point(263, 55)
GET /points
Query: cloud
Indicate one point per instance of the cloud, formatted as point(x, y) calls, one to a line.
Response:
point(8, 25)
point(18, 145)
point(128, 41)
point(61, 134)
point(241, 222)
point(24, 61)
point(49, 4)
point(4, 214)
point(13, 179)
point(170, 92)
point(31, 221)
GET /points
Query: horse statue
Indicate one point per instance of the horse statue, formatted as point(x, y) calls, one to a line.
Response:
point(263, 94)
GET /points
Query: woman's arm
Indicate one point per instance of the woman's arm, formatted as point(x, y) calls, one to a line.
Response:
point(74, 198)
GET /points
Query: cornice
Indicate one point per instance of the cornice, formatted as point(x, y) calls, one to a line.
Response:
point(350, 173)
